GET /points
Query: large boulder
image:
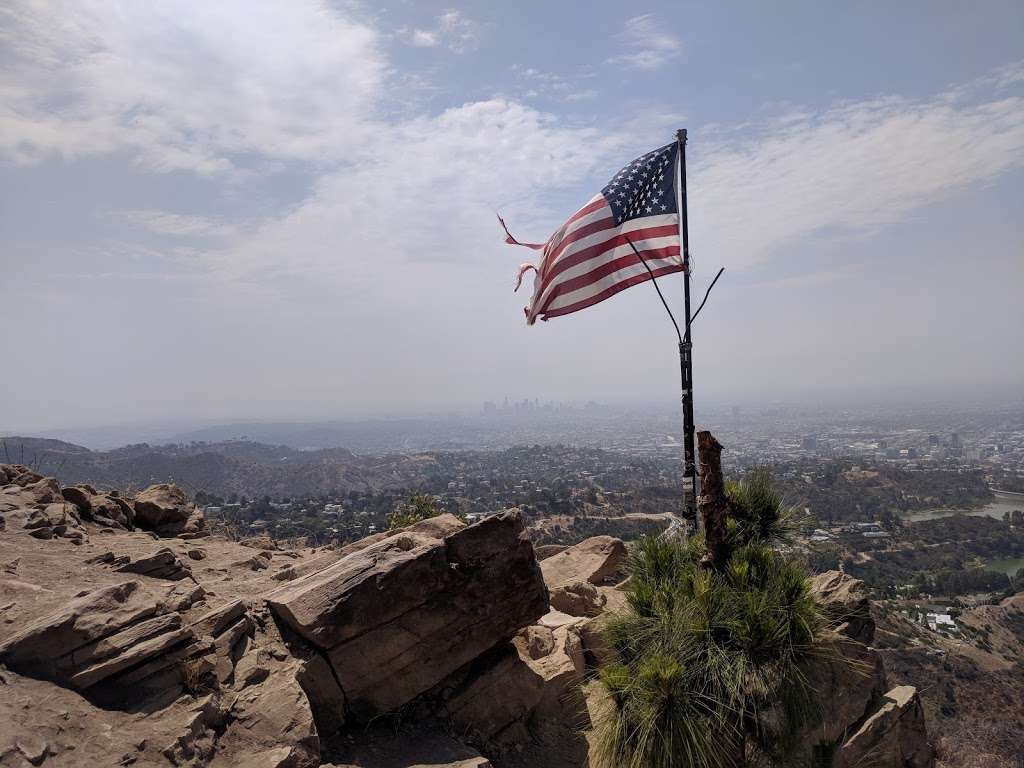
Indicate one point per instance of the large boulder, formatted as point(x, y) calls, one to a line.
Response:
point(79, 495)
point(396, 618)
point(111, 510)
point(522, 704)
point(580, 598)
point(894, 734)
point(26, 488)
point(59, 519)
point(843, 681)
point(161, 504)
point(572, 575)
point(846, 603)
point(596, 560)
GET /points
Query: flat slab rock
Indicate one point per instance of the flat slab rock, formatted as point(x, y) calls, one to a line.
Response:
point(395, 618)
point(596, 560)
point(96, 635)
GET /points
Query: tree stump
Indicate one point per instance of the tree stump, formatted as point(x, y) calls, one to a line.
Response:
point(712, 503)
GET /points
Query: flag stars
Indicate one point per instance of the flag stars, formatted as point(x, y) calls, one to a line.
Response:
point(639, 188)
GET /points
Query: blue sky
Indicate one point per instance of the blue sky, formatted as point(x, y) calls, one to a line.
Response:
point(260, 210)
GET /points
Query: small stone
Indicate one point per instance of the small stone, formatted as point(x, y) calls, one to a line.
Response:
point(34, 750)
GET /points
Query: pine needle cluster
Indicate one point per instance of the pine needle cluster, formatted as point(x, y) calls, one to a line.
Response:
point(706, 653)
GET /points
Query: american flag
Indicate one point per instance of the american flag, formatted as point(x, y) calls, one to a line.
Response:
point(589, 258)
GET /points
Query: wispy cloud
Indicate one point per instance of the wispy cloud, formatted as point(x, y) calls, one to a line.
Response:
point(536, 83)
point(851, 169)
point(94, 82)
point(178, 225)
point(452, 29)
point(424, 38)
point(647, 45)
point(180, 86)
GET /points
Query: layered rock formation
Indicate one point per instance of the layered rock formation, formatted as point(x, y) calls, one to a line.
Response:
point(396, 618)
point(862, 722)
point(131, 643)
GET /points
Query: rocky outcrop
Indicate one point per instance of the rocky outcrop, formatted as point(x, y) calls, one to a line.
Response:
point(96, 637)
point(597, 560)
point(846, 603)
point(857, 720)
point(522, 704)
point(894, 734)
point(573, 573)
point(429, 646)
point(579, 598)
point(59, 519)
point(397, 617)
point(110, 510)
point(24, 487)
point(160, 564)
point(164, 509)
point(161, 504)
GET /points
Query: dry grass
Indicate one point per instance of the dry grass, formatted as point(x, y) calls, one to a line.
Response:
point(195, 676)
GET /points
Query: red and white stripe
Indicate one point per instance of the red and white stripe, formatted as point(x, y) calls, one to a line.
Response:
point(589, 259)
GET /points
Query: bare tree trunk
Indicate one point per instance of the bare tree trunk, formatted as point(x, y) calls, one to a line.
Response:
point(712, 504)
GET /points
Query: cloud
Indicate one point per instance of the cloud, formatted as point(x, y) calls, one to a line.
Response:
point(585, 95)
point(848, 170)
point(178, 225)
point(187, 89)
point(181, 85)
point(451, 29)
point(551, 85)
point(647, 46)
point(423, 38)
point(429, 206)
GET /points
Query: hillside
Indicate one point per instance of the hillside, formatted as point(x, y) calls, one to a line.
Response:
point(970, 685)
point(132, 636)
point(233, 467)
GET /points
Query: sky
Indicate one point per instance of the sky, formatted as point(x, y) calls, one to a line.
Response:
point(257, 210)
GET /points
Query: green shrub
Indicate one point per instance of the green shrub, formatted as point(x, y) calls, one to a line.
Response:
point(704, 652)
point(756, 511)
point(419, 506)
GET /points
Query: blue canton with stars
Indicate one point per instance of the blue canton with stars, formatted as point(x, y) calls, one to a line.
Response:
point(645, 186)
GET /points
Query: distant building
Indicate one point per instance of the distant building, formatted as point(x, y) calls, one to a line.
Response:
point(868, 526)
point(940, 622)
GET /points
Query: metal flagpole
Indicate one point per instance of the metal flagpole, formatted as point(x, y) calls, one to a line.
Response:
point(686, 345)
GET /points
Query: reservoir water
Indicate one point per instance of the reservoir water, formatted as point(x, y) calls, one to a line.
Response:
point(1000, 505)
point(1007, 565)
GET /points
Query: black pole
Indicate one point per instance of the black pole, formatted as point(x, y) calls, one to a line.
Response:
point(686, 352)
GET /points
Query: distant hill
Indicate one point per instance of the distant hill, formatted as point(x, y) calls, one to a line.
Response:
point(221, 468)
